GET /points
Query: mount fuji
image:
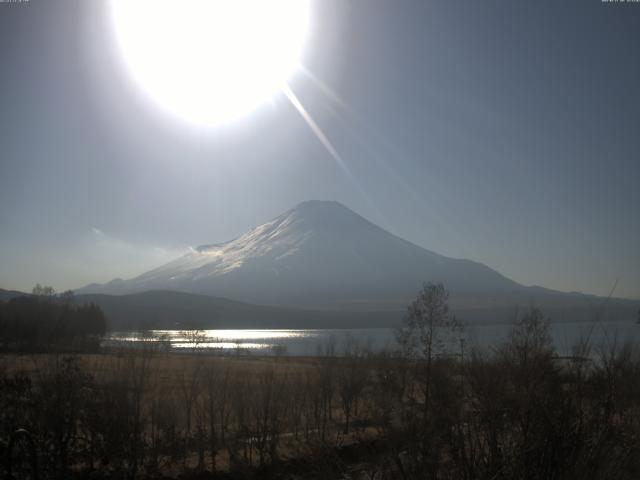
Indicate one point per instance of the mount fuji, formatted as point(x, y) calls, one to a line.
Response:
point(322, 255)
point(317, 254)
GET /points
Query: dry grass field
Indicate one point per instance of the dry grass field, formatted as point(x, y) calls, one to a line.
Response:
point(154, 413)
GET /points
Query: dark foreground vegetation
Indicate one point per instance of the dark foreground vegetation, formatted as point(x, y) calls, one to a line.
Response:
point(434, 410)
point(44, 321)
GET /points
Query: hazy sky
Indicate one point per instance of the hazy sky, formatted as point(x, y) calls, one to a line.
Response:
point(504, 132)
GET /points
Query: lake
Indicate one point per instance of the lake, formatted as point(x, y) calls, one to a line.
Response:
point(311, 342)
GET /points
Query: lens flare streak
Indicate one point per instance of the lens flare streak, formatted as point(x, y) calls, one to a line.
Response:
point(317, 131)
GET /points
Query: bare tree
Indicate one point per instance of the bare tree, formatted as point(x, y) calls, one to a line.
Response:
point(194, 338)
point(424, 330)
point(352, 377)
point(189, 381)
point(43, 291)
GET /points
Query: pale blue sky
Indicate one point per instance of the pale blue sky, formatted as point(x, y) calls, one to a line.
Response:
point(504, 132)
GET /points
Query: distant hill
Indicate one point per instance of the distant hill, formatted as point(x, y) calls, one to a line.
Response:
point(174, 310)
point(6, 295)
point(177, 310)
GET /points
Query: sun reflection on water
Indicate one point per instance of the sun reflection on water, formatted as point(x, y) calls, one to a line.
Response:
point(241, 334)
point(259, 339)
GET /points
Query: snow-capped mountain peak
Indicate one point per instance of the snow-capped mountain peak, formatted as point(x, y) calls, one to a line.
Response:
point(319, 252)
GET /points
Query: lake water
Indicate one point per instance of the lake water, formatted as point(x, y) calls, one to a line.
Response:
point(312, 342)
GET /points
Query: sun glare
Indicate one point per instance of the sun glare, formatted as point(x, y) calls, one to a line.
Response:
point(211, 61)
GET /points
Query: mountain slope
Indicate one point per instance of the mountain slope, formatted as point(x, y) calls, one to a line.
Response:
point(6, 295)
point(318, 254)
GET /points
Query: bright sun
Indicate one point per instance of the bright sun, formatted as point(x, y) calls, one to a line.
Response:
point(210, 61)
